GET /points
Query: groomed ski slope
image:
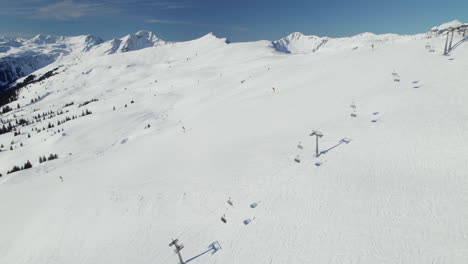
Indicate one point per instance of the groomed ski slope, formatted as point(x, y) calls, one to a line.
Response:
point(396, 193)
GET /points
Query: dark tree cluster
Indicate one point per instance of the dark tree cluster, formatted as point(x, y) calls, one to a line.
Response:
point(22, 122)
point(6, 109)
point(33, 100)
point(44, 116)
point(68, 104)
point(48, 115)
point(67, 118)
point(86, 112)
point(10, 125)
point(13, 124)
point(15, 168)
point(6, 129)
point(87, 102)
point(51, 157)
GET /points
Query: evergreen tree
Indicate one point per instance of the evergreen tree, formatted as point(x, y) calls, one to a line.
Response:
point(14, 169)
point(27, 165)
point(51, 157)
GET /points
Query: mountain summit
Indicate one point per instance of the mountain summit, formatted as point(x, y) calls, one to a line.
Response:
point(299, 43)
point(140, 40)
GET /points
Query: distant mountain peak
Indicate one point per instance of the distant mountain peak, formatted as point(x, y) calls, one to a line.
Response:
point(443, 27)
point(43, 39)
point(297, 42)
point(140, 40)
point(212, 36)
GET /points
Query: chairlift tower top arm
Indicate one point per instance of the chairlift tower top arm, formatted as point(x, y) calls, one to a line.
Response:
point(316, 133)
point(178, 249)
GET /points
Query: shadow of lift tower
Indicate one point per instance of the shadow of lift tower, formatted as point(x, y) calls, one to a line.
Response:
point(213, 248)
point(450, 32)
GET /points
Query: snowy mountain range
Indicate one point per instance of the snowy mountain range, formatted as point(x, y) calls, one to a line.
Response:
point(20, 57)
point(106, 155)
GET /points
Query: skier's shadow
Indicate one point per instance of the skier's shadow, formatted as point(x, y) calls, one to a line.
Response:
point(342, 141)
point(213, 247)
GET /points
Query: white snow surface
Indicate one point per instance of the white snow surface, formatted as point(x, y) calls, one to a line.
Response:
point(397, 192)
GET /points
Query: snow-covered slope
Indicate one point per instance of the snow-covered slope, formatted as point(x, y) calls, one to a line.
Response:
point(20, 57)
point(224, 122)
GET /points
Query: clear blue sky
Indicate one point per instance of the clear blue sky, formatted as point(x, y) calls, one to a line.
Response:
point(237, 20)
